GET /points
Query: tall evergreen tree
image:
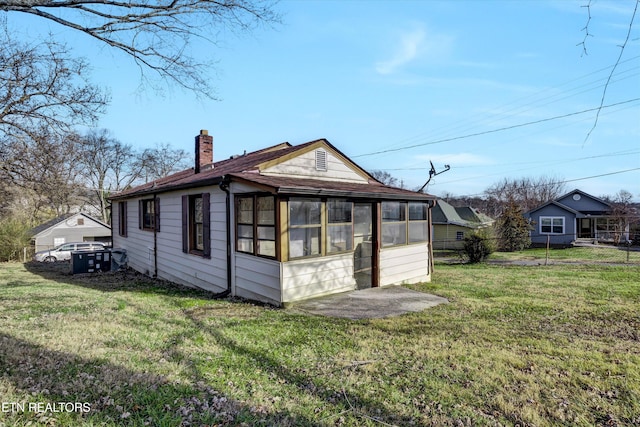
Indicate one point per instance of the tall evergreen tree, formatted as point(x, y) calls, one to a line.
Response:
point(512, 229)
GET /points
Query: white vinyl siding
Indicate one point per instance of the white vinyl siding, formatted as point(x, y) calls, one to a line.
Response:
point(305, 166)
point(257, 278)
point(404, 265)
point(307, 278)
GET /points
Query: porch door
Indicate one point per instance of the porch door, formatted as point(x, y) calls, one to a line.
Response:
point(364, 244)
point(586, 228)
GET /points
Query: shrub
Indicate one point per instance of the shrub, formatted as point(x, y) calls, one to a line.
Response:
point(14, 236)
point(478, 245)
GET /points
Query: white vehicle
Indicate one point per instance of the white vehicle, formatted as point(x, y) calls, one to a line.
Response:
point(63, 252)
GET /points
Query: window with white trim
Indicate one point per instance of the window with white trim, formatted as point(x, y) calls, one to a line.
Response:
point(551, 225)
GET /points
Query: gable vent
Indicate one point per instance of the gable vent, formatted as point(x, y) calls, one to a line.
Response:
point(321, 160)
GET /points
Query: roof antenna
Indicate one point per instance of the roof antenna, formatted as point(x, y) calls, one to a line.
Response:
point(432, 173)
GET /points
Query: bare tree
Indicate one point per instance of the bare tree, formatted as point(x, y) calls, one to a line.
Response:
point(156, 34)
point(42, 172)
point(42, 86)
point(162, 161)
point(108, 165)
point(624, 213)
point(527, 193)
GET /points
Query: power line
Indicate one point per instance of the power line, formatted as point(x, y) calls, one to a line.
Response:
point(547, 99)
point(548, 119)
point(568, 180)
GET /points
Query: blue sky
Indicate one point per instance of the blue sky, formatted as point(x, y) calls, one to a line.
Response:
point(441, 77)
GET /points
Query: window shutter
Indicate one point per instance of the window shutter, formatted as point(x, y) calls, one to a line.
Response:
point(156, 213)
point(185, 224)
point(123, 219)
point(206, 225)
point(140, 207)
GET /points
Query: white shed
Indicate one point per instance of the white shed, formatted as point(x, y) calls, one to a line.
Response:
point(71, 227)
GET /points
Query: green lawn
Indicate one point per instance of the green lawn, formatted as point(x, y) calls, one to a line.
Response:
point(533, 345)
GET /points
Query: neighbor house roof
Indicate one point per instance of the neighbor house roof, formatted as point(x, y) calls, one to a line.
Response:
point(444, 213)
point(247, 168)
point(58, 220)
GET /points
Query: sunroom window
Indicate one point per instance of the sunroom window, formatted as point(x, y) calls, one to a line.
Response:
point(418, 222)
point(394, 223)
point(339, 225)
point(305, 227)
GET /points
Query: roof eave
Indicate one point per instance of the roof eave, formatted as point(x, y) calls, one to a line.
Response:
point(299, 191)
point(166, 189)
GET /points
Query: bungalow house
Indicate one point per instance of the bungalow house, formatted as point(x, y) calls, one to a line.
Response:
point(71, 227)
point(572, 217)
point(277, 225)
point(452, 224)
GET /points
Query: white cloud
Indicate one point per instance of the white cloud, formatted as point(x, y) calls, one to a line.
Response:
point(414, 45)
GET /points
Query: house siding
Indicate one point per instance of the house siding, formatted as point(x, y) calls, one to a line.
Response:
point(172, 263)
point(444, 236)
point(307, 278)
point(138, 243)
point(404, 265)
point(257, 278)
point(304, 166)
point(586, 203)
point(554, 239)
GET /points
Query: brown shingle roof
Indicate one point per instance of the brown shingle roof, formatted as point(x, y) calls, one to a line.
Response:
point(245, 168)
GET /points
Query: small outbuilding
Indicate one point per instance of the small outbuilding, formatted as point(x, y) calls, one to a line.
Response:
point(70, 227)
point(277, 225)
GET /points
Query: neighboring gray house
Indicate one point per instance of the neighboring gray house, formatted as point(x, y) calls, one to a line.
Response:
point(278, 225)
point(452, 224)
point(572, 217)
point(71, 227)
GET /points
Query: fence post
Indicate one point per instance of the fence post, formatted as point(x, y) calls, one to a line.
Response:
point(546, 258)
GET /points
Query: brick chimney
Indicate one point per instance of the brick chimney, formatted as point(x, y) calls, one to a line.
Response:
point(204, 151)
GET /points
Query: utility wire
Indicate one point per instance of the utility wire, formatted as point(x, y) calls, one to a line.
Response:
point(566, 180)
point(548, 119)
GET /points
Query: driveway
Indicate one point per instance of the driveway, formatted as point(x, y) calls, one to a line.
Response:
point(370, 303)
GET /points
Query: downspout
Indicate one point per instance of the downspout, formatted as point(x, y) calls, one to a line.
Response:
point(224, 186)
point(155, 237)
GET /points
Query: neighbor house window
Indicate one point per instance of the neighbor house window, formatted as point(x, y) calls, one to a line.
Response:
point(459, 235)
point(122, 219)
point(196, 225)
point(339, 225)
point(394, 223)
point(256, 225)
point(305, 227)
point(149, 214)
point(552, 225)
point(418, 222)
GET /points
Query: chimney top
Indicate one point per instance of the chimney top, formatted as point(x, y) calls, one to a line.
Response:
point(204, 151)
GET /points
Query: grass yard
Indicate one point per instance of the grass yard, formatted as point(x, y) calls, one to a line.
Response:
point(517, 345)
